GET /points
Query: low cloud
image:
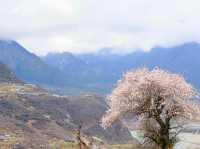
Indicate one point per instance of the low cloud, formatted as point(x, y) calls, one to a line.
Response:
point(87, 25)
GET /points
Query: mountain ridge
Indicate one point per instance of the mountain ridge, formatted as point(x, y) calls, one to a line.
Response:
point(106, 70)
point(68, 73)
point(28, 67)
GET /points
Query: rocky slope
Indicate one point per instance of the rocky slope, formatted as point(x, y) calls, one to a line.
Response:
point(37, 117)
point(32, 116)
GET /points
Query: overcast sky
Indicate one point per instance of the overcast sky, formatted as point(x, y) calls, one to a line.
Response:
point(88, 25)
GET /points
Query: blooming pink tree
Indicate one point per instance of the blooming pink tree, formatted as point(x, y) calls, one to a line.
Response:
point(161, 101)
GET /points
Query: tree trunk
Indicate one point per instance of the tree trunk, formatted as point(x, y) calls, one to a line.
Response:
point(170, 147)
point(164, 146)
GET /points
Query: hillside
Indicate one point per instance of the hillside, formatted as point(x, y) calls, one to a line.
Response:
point(27, 66)
point(32, 69)
point(105, 67)
point(67, 73)
point(34, 116)
point(6, 75)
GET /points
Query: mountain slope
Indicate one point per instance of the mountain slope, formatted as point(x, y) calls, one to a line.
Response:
point(6, 75)
point(32, 69)
point(64, 61)
point(27, 66)
point(68, 73)
point(37, 117)
point(182, 59)
point(103, 70)
point(80, 72)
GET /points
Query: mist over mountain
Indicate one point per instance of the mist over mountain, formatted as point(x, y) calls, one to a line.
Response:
point(30, 68)
point(106, 67)
point(96, 72)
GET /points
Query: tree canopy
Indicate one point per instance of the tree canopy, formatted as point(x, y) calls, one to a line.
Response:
point(156, 97)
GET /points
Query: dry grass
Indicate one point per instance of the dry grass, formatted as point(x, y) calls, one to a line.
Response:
point(121, 146)
point(8, 139)
point(60, 144)
point(10, 142)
